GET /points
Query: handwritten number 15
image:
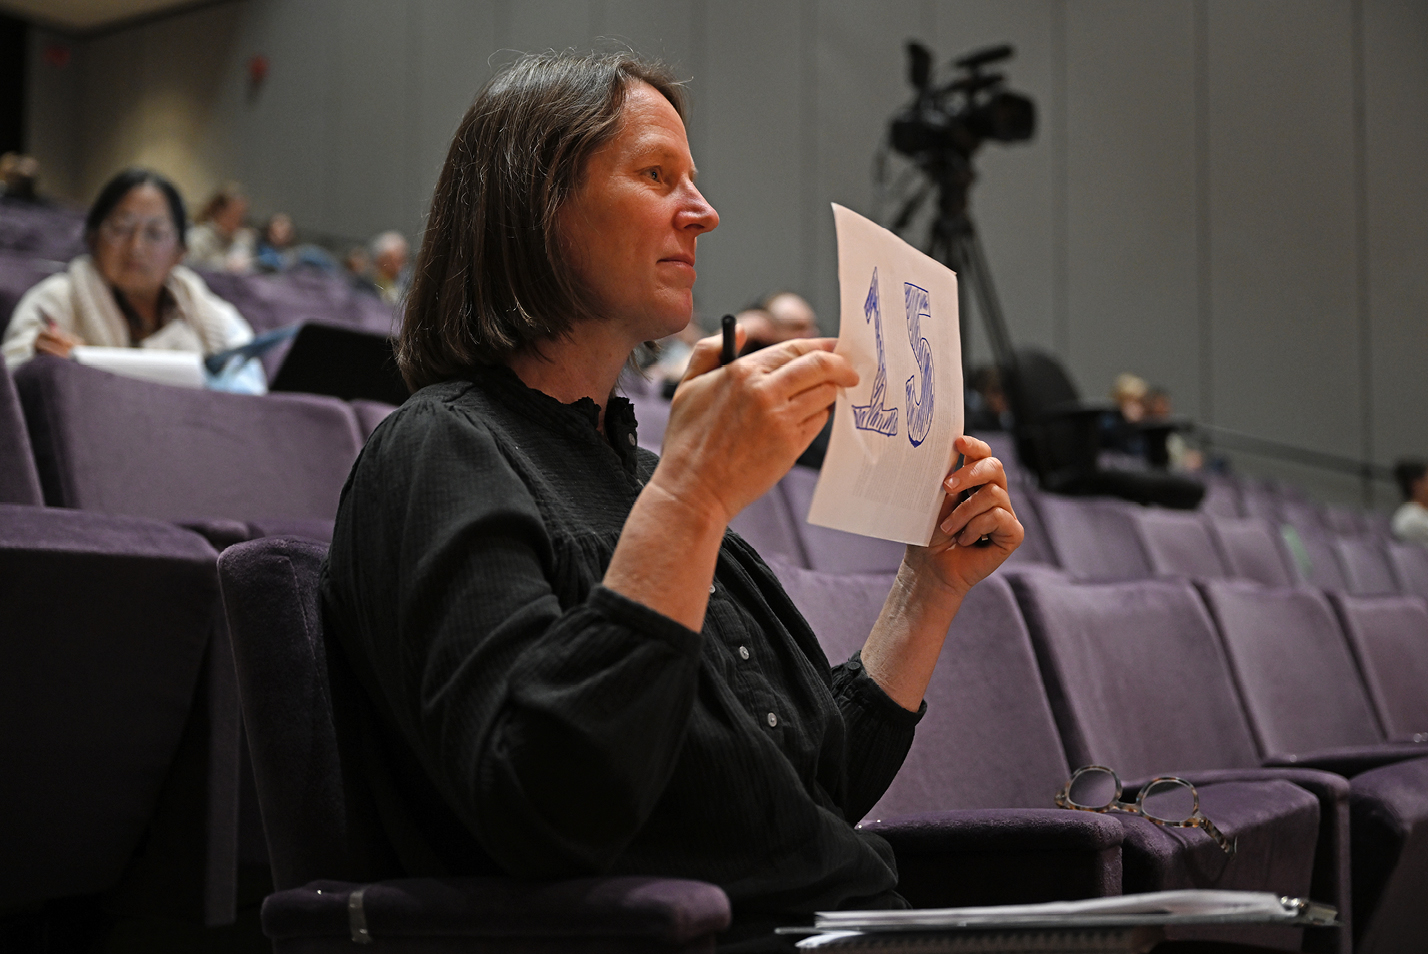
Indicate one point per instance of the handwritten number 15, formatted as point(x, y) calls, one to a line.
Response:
point(873, 416)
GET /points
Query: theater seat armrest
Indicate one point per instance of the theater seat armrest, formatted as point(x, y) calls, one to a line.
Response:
point(655, 913)
point(1003, 856)
point(1350, 760)
point(1323, 784)
point(994, 829)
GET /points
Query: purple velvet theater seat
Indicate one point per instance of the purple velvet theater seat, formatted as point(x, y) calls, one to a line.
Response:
point(1343, 520)
point(269, 302)
point(19, 481)
point(1222, 498)
point(1389, 638)
point(1138, 682)
point(106, 622)
point(328, 854)
point(1178, 543)
point(1410, 567)
point(988, 759)
point(652, 415)
point(1004, 449)
point(1253, 550)
point(1258, 499)
point(1093, 538)
point(1300, 686)
point(833, 551)
point(1035, 549)
point(1308, 707)
point(40, 230)
point(117, 445)
point(1365, 565)
point(768, 526)
point(18, 274)
point(370, 414)
point(1313, 550)
point(971, 814)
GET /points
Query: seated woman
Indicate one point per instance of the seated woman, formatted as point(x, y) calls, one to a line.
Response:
point(571, 665)
point(130, 290)
point(219, 241)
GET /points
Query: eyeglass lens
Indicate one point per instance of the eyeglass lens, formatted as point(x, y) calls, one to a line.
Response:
point(1169, 801)
point(1093, 788)
point(153, 233)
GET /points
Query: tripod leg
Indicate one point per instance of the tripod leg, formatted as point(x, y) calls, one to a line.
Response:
point(969, 249)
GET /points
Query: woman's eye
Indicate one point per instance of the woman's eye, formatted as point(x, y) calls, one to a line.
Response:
point(655, 175)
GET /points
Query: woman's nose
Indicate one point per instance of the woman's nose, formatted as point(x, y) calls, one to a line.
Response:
point(697, 213)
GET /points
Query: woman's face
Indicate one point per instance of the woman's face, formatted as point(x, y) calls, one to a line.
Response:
point(631, 228)
point(137, 246)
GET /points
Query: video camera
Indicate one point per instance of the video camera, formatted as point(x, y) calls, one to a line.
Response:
point(959, 116)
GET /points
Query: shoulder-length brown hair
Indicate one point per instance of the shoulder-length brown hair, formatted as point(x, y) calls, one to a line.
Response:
point(491, 277)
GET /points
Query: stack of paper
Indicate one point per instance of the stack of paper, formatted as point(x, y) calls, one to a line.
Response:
point(1098, 924)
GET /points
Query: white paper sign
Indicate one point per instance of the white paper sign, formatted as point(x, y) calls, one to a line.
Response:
point(892, 437)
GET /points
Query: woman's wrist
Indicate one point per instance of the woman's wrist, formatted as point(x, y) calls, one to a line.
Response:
point(919, 574)
point(662, 525)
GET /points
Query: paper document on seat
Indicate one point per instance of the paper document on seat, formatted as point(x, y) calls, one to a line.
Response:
point(1189, 906)
point(180, 368)
point(892, 437)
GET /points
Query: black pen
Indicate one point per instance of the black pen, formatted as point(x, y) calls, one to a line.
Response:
point(729, 352)
point(964, 495)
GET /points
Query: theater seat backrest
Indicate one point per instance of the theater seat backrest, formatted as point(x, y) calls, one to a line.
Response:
point(1389, 637)
point(315, 826)
point(1299, 684)
point(1093, 539)
point(117, 445)
point(19, 482)
point(1222, 498)
point(1365, 566)
point(833, 551)
point(1178, 543)
point(988, 739)
point(104, 622)
point(370, 414)
point(1410, 567)
point(768, 527)
point(1252, 550)
point(1135, 675)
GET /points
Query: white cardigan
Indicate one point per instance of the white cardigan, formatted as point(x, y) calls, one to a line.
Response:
point(82, 303)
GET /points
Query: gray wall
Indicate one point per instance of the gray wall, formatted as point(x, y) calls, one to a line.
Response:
point(1225, 196)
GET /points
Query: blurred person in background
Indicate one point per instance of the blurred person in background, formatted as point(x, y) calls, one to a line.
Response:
point(279, 250)
point(1410, 520)
point(21, 175)
point(275, 246)
point(130, 290)
point(986, 402)
point(389, 266)
point(782, 316)
point(220, 241)
point(1182, 456)
point(357, 266)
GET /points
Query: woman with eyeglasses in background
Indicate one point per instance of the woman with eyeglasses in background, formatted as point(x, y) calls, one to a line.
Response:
point(130, 290)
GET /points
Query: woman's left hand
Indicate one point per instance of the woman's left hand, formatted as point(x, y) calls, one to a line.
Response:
point(952, 558)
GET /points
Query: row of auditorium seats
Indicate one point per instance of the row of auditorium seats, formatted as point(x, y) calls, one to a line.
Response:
point(1250, 665)
point(1291, 714)
point(38, 240)
point(230, 466)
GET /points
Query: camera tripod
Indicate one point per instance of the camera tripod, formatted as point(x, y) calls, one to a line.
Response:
point(953, 241)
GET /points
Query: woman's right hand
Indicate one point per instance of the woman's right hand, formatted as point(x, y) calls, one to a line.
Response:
point(735, 429)
point(54, 340)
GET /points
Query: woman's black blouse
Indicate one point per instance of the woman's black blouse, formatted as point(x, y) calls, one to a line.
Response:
point(565, 730)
